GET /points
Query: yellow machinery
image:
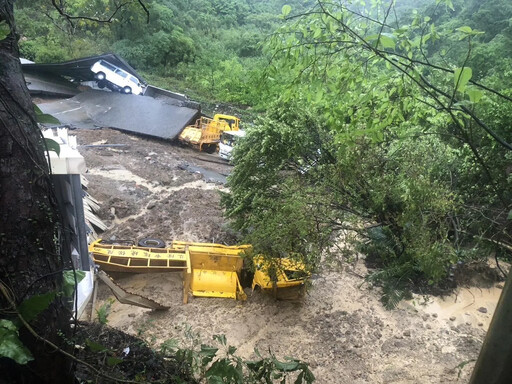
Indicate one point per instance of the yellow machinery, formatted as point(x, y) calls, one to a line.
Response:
point(209, 270)
point(289, 277)
point(215, 268)
point(205, 134)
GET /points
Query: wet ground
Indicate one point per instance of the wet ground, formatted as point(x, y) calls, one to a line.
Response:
point(152, 188)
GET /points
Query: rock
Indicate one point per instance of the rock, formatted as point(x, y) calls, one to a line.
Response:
point(499, 286)
point(131, 315)
point(428, 326)
point(434, 315)
point(480, 324)
point(151, 205)
point(452, 318)
point(482, 310)
point(407, 333)
point(425, 317)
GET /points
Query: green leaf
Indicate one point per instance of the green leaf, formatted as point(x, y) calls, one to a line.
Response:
point(4, 30)
point(509, 217)
point(299, 378)
point(68, 284)
point(474, 94)
point(95, 347)
point(220, 338)
point(10, 345)
point(52, 145)
point(44, 118)
point(33, 306)
point(113, 361)
point(286, 366)
point(387, 41)
point(286, 10)
point(231, 350)
point(465, 29)
point(206, 350)
point(461, 78)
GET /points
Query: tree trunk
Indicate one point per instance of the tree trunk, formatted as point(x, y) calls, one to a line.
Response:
point(30, 260)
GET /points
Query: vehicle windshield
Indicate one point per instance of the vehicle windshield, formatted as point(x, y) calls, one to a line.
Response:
point(227, 139)
point(230, 122)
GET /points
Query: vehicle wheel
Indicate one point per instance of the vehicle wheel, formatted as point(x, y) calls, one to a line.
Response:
point(127, 90)
point(100, 76)
point(101, 84)
point(210, 148)
point(151, 243)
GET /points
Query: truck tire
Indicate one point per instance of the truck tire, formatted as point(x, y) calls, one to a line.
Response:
point(209, 148)
point(127, 90)
point(101, 84)
point(100, 76)
point(149, 242)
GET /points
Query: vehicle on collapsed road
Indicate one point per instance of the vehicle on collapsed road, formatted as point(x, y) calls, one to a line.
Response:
point(227, 142)
point(116, 79)
point(205, 133)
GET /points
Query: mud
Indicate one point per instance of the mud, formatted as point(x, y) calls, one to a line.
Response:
point(340, 327)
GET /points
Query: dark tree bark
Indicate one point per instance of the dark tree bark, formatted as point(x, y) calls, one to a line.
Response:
point(30, 260)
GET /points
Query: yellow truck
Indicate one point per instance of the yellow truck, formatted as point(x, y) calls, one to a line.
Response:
point(205, 134)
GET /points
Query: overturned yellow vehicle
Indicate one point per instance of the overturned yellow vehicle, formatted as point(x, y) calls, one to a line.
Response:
point(284, 278)
point(208, 269)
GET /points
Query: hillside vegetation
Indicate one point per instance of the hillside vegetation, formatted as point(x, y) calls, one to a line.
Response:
point(385, 124)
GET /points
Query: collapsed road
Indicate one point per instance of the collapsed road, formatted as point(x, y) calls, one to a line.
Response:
point(157, 113)
point(158, 117)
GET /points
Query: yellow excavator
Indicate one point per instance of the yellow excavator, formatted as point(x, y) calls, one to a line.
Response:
point(205, 134)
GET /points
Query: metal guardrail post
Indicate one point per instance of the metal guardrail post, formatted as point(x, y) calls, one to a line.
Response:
point(494, 364)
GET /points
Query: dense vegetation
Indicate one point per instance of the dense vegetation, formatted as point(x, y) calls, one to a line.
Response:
point(210, 48)
point(381, 123)
point(385, 127)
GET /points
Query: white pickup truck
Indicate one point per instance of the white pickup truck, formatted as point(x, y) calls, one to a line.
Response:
point(116, 79)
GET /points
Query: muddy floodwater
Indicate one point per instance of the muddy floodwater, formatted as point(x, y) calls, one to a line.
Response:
point(152, 188)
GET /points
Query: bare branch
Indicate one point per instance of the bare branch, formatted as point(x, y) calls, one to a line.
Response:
point(60, 9)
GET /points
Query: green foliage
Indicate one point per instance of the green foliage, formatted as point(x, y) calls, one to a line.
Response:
point(33, 306)
point(103, 311)
point(10, 345)
point(4, 30)
point(213, 48)
point(221, 365)
point(106, 354)
point(409, 151)
point(70, 280)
